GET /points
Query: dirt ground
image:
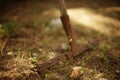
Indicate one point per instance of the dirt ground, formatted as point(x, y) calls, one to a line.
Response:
point(42, 37)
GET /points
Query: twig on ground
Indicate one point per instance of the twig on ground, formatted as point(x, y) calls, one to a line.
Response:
point(3, 46)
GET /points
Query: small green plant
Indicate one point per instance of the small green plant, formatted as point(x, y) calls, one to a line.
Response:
point(103, 56)
point(9, 29)
point(31, 57)
point(95, 32)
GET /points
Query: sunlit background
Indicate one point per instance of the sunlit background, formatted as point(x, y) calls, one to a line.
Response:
point(95, 17)
point(86, 17)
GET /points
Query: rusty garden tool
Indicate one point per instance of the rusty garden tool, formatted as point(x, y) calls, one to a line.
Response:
point(67, 26)
point(73, 51)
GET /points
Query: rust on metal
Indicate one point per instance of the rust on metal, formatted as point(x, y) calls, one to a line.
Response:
point(67, 26)
point(74, 49)
point(69, 31)
point(63, 57)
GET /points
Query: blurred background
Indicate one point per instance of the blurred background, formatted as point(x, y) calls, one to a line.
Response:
point(88, 13)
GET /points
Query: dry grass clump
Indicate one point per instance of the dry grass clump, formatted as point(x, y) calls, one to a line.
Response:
point(18, 68)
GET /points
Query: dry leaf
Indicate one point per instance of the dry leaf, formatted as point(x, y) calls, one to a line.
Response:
point(10, 53)
point(75, 72)
point(51, 55)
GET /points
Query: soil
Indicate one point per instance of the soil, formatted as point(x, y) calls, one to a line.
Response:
point(39, 40)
